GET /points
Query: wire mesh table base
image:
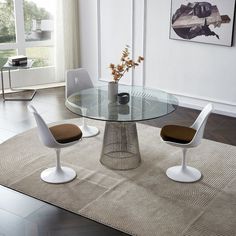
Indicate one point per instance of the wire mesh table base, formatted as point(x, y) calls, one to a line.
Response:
point(120, 149)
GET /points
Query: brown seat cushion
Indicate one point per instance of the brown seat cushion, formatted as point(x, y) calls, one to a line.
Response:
point(177, 134)
point(66, 133)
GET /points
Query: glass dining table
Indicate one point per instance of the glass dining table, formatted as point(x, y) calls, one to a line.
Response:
point(120, 149)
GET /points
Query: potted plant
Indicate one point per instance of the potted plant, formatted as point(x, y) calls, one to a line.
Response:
point(119, 70)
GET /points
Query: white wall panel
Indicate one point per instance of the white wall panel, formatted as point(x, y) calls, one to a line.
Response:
point(139, 39)
point(89, 37)
point(115, 31)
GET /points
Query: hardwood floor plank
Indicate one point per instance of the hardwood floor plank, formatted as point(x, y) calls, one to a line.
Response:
point(18, 203)
point(13, 225)
point(52, 220)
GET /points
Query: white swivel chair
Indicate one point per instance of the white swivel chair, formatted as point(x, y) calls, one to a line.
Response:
point(76, 80)
point(57, 137)
point(186, 137)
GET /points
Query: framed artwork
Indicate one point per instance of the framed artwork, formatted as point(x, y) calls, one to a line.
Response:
point(211, 21)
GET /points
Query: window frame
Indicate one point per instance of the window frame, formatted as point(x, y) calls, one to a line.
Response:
point(20, 45)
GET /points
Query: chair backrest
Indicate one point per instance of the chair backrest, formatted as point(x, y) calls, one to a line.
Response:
point(200, 123)
point(44, 133)
point(77, 80)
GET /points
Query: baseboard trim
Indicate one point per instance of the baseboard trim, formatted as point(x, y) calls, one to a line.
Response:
point(37, 87)
point(220, 107)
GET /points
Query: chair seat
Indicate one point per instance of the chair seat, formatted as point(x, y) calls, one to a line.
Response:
point(66, 133)
point(177, 134)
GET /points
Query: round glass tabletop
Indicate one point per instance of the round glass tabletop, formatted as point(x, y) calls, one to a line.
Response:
point(144, 104)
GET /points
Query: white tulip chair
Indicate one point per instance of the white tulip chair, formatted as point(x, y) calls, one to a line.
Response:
point(57, 137)
point(185, 138)
point(76, 80)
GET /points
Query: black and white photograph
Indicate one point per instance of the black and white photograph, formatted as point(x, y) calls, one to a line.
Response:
point(210, 21)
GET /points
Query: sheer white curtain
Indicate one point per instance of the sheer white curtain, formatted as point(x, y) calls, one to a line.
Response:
point(66, 37)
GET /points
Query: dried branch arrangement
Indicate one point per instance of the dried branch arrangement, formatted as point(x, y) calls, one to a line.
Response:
point(125, 65)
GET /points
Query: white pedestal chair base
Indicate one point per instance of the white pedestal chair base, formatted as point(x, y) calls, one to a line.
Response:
point(89, 131)
point(53, 176)
point(187, 174)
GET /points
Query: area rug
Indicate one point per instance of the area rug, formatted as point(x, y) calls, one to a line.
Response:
point(142, 201)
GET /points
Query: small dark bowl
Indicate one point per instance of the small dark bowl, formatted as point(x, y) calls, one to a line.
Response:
point(123, 98)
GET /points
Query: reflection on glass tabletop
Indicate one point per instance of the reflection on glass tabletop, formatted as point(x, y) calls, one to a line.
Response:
point(144, 104)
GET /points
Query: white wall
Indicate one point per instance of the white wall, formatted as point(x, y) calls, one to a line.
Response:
point(89, 37)
point(29, 77)
point(195, 72)
point(120, 31)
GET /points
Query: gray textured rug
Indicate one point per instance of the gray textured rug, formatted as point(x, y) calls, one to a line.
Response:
point(141, 201)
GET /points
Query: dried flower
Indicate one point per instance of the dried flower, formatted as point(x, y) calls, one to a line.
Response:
point(112, 66)
point(119, 70)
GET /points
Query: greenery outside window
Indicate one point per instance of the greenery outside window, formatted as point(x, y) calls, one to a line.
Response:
point(42, 56)
point(7, 21)
point(27, 28)
point(4, 54)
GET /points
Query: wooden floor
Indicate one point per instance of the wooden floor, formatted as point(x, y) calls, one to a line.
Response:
point(22, 215)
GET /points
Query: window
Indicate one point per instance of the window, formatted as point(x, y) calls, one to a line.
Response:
point(7, 22)
point(27, 27)
point(4, 54)
point(38, 22)
point(43, 56)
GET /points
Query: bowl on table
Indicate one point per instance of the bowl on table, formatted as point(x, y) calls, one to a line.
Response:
point(123, 98)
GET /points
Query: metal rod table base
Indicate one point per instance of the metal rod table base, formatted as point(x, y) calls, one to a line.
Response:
point(15, 90)
point(120, 149)
point(20, 91)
